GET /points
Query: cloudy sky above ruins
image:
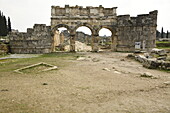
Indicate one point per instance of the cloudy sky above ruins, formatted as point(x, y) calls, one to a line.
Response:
point(25, 13)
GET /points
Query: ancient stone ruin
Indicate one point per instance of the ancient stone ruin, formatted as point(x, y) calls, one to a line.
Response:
point(128, 33)
point(36, 40)
point(157, 59)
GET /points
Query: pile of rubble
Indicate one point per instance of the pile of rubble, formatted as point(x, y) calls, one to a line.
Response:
point(156, 59)
point(79, 46)
point(3, 49)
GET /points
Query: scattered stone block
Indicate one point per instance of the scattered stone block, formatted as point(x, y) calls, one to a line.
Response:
point(4, 90)
point(167, 83)
point(81, 58)
point(117, 72)
point(147, 55)
point(161, 58)
point(153, 63)
point(131, 56)
point(45, 84)
point(147, 75)
point(106, 69)
point(122, 59)
point(160, 52)
point(95, 60)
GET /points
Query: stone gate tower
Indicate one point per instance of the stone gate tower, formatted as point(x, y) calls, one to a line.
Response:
point(126, 30)
point(95, 18)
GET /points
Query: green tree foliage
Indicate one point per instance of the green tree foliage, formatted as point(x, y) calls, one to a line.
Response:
point(162, 33)
point(158, 34)
point(167, 34)
point(4, 25)
point(0, 23)
point(9, 25)
point(4, 28)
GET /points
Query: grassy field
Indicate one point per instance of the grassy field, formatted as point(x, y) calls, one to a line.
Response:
point(158, 42)
point(163, 44)
point(58, 59)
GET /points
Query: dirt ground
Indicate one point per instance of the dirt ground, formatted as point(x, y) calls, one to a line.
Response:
point(94, 83)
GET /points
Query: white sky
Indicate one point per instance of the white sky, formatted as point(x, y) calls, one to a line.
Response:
point(25, 13)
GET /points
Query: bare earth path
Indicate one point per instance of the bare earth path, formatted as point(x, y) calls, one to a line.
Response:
point(95, 83)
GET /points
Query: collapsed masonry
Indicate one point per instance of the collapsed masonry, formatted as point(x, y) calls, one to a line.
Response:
point(128, 33)
point(157, 59)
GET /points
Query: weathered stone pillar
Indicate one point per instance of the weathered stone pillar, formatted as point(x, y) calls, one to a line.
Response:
point(95, 45)
point(72, 43)
point(143, 45)
point(54, 41)
point(114, 42)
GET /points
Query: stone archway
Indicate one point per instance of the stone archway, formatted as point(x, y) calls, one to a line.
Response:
point(121, 26)
point(58, 38)
point(93, 32)
point(113, 36)
point(75, 17)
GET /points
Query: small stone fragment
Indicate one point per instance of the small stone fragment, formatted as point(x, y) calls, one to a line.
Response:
point(4, 90)
point(122, 59)
point(147, 75)
point(106, 69)
point(130, 56)
point(95, 60)
point(44, 84)
point(161, 58)
point(81, 58)
point(167, 83)
point(117, 72)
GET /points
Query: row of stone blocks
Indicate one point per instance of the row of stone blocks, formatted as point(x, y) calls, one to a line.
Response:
point(153, 63)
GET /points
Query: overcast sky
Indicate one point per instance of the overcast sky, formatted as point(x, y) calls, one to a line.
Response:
point(25, 13)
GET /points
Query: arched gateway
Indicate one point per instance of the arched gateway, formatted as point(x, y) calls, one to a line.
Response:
point(95, 18)
point(128, 33)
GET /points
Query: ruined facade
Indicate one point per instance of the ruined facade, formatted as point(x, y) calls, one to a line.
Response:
point(126, 31)
point(36, 40)
point(95, 18)
point(140, 29)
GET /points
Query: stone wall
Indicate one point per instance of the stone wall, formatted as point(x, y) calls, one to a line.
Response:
point(36, 40)
point(136, 29)
point(4, 48)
